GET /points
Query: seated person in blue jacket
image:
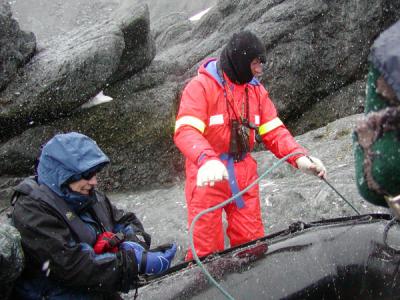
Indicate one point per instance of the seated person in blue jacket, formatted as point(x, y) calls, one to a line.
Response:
point(77, 245)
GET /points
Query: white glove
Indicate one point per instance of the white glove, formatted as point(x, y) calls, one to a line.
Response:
point(212, 171)
point(311, 165)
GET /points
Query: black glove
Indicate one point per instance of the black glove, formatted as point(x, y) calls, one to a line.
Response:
point(134, 234)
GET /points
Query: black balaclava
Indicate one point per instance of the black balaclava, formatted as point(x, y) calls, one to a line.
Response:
point(237, 55)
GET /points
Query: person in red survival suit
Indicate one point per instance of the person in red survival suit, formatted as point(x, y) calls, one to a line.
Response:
point(220, 111)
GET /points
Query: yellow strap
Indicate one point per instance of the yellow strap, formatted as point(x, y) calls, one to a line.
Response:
point(191, 121)
point(269, 126)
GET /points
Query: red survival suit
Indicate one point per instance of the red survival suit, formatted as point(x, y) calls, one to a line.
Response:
point(202, 132)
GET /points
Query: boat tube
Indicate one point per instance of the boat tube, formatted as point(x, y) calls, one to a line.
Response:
point(344, 258)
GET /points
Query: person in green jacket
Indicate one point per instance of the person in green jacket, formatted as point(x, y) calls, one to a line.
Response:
point(377, 135)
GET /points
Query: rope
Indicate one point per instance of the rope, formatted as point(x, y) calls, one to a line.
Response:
point(191, 228)
point(337, 192)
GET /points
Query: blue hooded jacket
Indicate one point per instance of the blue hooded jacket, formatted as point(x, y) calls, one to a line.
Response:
point(67, 155)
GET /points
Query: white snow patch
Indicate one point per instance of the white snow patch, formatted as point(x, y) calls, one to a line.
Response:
point(100, 98)
point(198, 16)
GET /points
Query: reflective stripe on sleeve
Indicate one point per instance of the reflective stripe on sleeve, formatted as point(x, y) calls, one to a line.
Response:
point(269, 126)
point(191, 121)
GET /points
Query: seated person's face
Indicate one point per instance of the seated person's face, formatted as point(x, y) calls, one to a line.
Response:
point(83, 186)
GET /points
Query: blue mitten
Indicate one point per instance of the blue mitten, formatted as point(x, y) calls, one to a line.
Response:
point(150, 262)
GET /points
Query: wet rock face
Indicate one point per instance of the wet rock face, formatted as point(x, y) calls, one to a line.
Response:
point(310, 54)
point(349, 100)
point(48, 19)
point(16, 46)
point(73, 68)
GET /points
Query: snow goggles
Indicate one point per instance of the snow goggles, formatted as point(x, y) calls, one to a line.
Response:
point(88, 174)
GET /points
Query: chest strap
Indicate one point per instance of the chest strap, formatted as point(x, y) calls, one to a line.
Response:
point(81, 230)
point(232, 178)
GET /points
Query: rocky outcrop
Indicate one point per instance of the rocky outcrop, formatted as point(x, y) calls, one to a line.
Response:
point(349, 100)
point(73, 68)
point(16, 46)
point(316, 58)
point(171, 27)
point(49, 19)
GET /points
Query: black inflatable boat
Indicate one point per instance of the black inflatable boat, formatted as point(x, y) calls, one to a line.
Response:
point(343, 258)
